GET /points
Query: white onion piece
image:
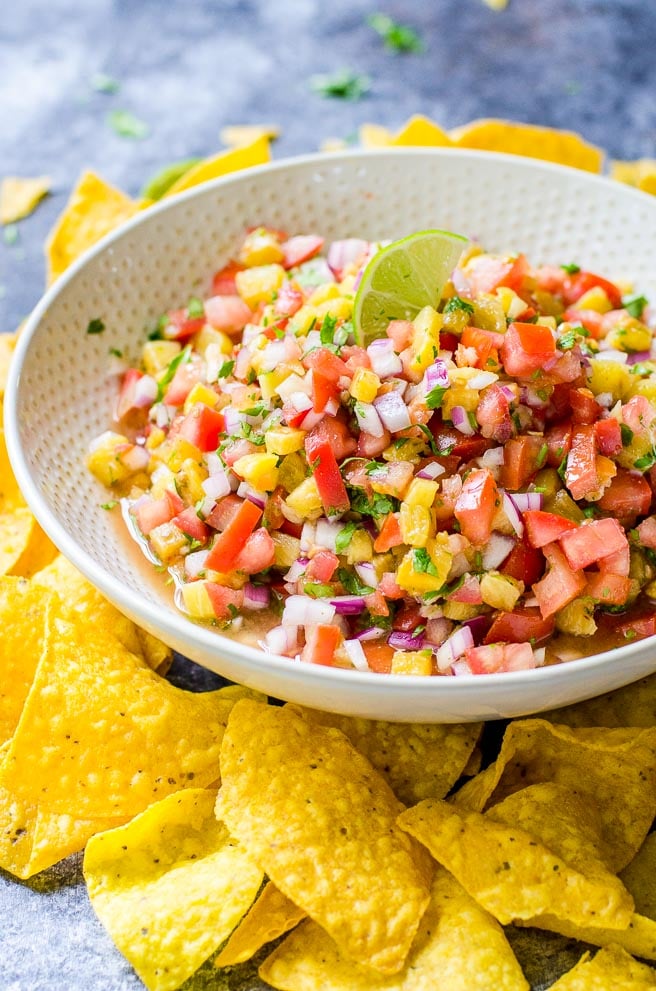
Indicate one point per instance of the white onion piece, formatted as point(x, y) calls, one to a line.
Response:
point(460, 420)
point(356, 655)
point(242, 363)
point(461, 668)
point(482, 380)
point(311, 419)
point(620, 357)
point(384, 360)
point(271, 356)
point(145, 392)
point(206, 507)
point(282, 640)
point(308, 536)
point(539, 653)
point(453, 648)
point(512, 513)
point(526, 501)
point(301, 610)
point(432, 471)
point(135, 458)
point(216, 485)
point(492, 458)
point(393, 412)
point(367, 573)
point(194, 563)
point(496, 550)
point(326, 534)
point(292, 385)
point(247, 491)
point(346, 252)
point(296, 569)
point(368, 419)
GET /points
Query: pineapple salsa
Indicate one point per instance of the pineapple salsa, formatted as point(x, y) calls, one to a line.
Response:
point(470, 492)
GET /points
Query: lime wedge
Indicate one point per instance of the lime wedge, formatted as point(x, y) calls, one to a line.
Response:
point(402, 278)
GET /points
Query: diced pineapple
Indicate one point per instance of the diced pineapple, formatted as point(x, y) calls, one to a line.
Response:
point(162, 481)
point(426, 570)
point(408, 449)
point(174, 452)
point(488, 313)
point(155, 438)
point(104, 458)
point(459, 395)
point(549, 322)
point(594, 299)
point(259, 470)
point(512, 304)
point(189, 479)
point(210, 335)
point(629, 334)
point(305, 500)
point(284, 440)
point(360, 548)
point(261, 247)
point(157, 355)
point(341, 308)
point(610, 376)
point(459, 612)
point(364, 385)
point(330, 290)
point(500, 591)
point(167, 540)
point(421, 492)
point(291, 472)
point(412, 662)
point(577, 617)
point(425, 338)
point(258, 285)
point(269, 381)
point(196, 600)
point(645, 387)
point(303, 320)
point(200, 394)
point(416, 525)
point(287, 549)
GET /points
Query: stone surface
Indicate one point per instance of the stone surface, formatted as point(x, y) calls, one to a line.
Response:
point(188, 69)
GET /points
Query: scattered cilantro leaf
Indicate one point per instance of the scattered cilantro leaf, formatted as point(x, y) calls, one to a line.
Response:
point(378, 505)
point(397, 37)
point(342, 85)
point(95, 326)
point(458, 303)
point(571, 269)
point(344, 537)
point(109, 505)
point(102, 83)
point(431, 441)
point(647, 461)
point(180, 358)
point(352, 584)
point(626, 434)
point(435, 396)
point(318, 590)
point(116, 352)
point(10, 235)
point(634, 305)
point(567, 340)
point(127, 125)
point(541, 459)
point(225, 369)
point(327, 331)
point(422, 563)
point(195, 308)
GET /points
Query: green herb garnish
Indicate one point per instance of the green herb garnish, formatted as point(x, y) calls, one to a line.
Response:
point(126, 125)
point(342, 85)
point(646, 461)
point(352, 583)
point(397, 37)
point(571, 269)
point(109, 505)
point(626, 434)
point(181, 358)
point(457, 303)
point(95, 326)
point(344, 537)
point(102, 83)
point(327, 331)
point(195, 308)
point(422, 563)
point(435, 396)
point(10, 235)
point(225, 369)
point(634, 305)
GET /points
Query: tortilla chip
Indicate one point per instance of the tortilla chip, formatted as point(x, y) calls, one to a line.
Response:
point(617, 767)
point(459, 947)
point(641, 173)
point(633, 705)
point(421, 131)
point(7, 345)
point(10, 495)
point(638, 938)
point(256, 153)
point(610, 968)
point(170, 886)
point(236, 135)
point(333, 144)
point(496, 4)
point(102, 735)
point(640, 878)
point(94, 209)
point(24, 547)
point(374, 136)
point(272, 915)
point(418, 760)
point(19, 197)
point(548, 144)
point(89, 605)
point(512, 875)
point(321, 822)
point(162, 181)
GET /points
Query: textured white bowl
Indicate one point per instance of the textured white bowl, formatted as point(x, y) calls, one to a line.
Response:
point(59, 395)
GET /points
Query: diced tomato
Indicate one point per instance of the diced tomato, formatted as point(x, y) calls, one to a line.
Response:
point(522, 458)
point(525, 563)
point(223, 282)
point(333, 430)
point(323, 390)
point(369, 446)
point(324, 361)
point(223, 512)
point(581, 476)
point(153, 512)
point(387, 585)
point(493, 414)
point(189, 523)
point(486, 273)
point(389, 536)
point(293, 529)
point(355, 357)
point(585, 408)
point(646, 532)
point(590, 319)
point(499, 657)
point(476, 505)
point(125, 403)
point(379, 655)
point(524, 624)
point(617, 563)
point(543, 528)
point(321, 644)
point(578, 283)
point(227, 313)
point(327, 475)
point(408, 616)
point(593, 539)
point(526, 348)
point(448, 341)
point(638, 414)
point(300, 248)
point(628, 496)
point(456, 445)
point(560, 584)
point(186, 376)
point(238, 449)
point(376, 603)
point(289, 299)
point(636, 627)
point(607, 588)
point(257, 553)
point(400, 332)
point(486, 344)
point(608, 436)
point(202, 427)
point(469, 592)
point(550, 278)
point(322, 566)
point(558, 439)
point(224, 600)
point(181, 325)
point(231, 540)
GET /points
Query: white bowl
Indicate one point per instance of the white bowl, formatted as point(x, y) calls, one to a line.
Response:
point(59, 395)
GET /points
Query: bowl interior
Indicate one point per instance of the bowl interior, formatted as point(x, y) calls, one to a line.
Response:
point(60, 394)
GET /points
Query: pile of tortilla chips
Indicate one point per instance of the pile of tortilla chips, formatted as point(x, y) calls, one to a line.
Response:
point(368, 855)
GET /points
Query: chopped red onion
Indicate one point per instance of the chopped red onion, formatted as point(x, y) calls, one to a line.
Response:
point(508, 393)
point(311, 419)
point(145, 392)
point(478, 625)
point(512, 513)
point(367, 573)
point(371, 633)
point(436, 375)
point(233, 420)
point(401, 640)
point(393, 412)
point(437, 630)
point(525, 501)
point(331, 408)
point(256, 596)
point(432, 470)
point(454, 647)
point(460, 668)
point(301, 610)
point(282, 640)
point(460, 420)
point(384, 360)
point(356, 655)
point(496, 550)
point(348, 605)
point(297, 569)
point(346, 252)
point(637, 356)
point(368, 419)
point(246, 491)
point(194, 563)
point(216, 486)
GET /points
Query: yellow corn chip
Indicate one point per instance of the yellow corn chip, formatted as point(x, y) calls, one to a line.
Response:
point(610, 968)
point(333, 144)
point(617, 767)
point(633, 705)
point(10, 495)
point(19, 197)
point(170, 886)
point(88, 605)
point(563, 147)
point(638, 938)
point(418, 760)
point(24, 547)
point(7, 345)
point(641, 173)
point(459, 947)
point(421, 131)
point(102, 735)
point(496, 4)
point(320, 821)
point(640, 878)
point(256, 153)
point(510, 873)
point(269, 917)
point(94, 209)
point(22, 621)
point(236, 135)
point(374, 136)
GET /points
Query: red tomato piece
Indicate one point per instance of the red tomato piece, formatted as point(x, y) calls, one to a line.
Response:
point(330, 483)
point(355, 357)
point(590, 319)
point(387, 585)
point(636, 627)
point(560, 584)
point(379, 656)
point(581, 476)
point(448, 341)
point(627, 497)
point(229, 543)
point(223, 598)
point(369, 446)
point(578, 283)
point(608, 436)
point(389, 536)
point(333, 430)
point(324, 361)
point(647, 532)
point(524, 624)
point(181, 325)
point(223, 281)
point(227, 313)
point(238, 449)
point(522, 458)
point(323, 390)
point(321, 644)
point(202, 426)
point(486, 344)
point(497, 657)
point(186, 376)
point(153, 512)
point(189, 523)
point(323, 566)
point(126, 398)
point(585, 408)
point(543, 528)
point(400, 332)
point(607, 588)
point(476, 505)
point(289, 300)
point(558, 439)
point(526, 348)
point(525, 563)
point(257, 553)
point(485, 273)
point(593, 539)
point(300, 248)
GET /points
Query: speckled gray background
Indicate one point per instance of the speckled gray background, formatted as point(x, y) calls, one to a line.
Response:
point(189, 68)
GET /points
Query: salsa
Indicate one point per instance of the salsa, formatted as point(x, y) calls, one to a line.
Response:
point(470, 493)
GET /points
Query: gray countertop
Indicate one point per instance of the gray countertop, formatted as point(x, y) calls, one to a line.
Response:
point(189, 69)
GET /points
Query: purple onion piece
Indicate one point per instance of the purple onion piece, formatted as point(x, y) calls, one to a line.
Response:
point(371, 633)
point(637, 356)
point(478, 626)
point(348, 605)
point(256, 596)
point(405, 641)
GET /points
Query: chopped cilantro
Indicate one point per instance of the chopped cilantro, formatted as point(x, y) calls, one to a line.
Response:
point(180, 359)
point(571, 269)
point(116, 352)
point(257, 410)
point(352, 583)
point(634, 305)
point(126, 125)
point(102, 83)
point(252, 375)
point(642, 368)
point(342, 85)
point(567, 340)
point(318, 590)
point(225, 369)
point(95, 326)
point(195, 308)
point(343, 538)
point(10, 234)
point(630, 634)
point(397, 37)
point(458, 303)
point(431, 440)
point(327, 332)
point(626, 434)
point(109, 505)
point(378, 505)
point(422, 563)
point(590, 512)
point(562, 467)
point(232, 609)
point(542, 456)
point(646, 461)
point(435, 396)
